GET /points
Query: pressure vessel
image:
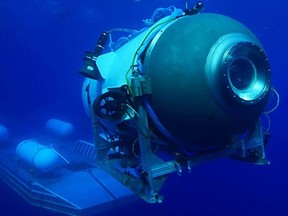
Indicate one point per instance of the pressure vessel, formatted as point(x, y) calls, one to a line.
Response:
point(210, 79)
point(40, 157)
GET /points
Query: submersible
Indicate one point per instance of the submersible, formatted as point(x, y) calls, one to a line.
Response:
point(191, 86)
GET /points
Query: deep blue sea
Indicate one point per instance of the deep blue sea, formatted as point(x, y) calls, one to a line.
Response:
point(42, 43)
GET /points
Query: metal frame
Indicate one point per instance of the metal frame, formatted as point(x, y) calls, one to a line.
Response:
point(248, 147)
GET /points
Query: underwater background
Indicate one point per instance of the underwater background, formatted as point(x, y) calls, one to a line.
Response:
point(42, 43)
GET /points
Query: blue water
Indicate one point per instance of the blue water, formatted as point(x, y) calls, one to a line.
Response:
point(41, 48)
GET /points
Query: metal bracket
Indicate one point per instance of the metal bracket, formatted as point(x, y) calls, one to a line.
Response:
point(140, 85)
point(252, 147)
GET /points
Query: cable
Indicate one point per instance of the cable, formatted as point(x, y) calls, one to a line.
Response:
point(277, 102)
point(133, 148)
point(118, 43)
point(136, 52)
point(266, 113)
point(150, 136)
point(135, 123)
point(268, 122)
point(122, 30)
